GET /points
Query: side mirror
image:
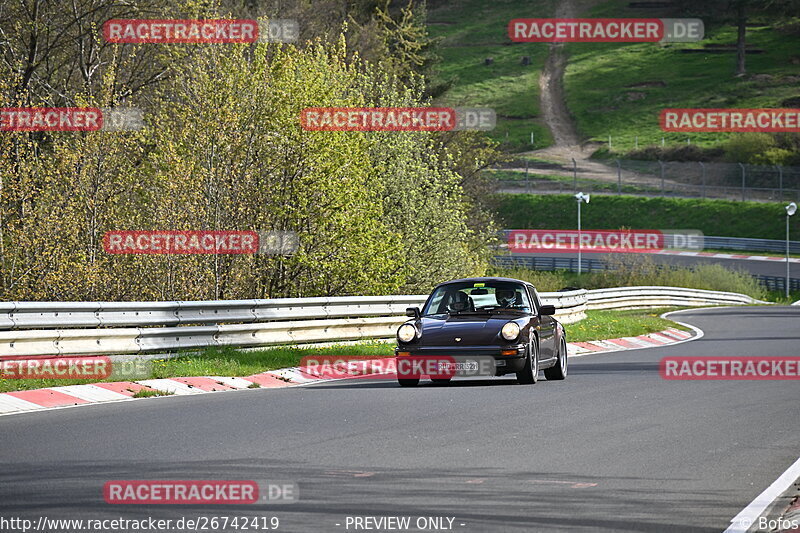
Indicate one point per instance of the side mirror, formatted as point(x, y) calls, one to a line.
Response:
point(547, 310)
point(413, 312)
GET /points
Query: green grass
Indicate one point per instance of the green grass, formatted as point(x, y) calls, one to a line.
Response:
point(231, 362)
point(723, 218)
point(216, 361)
point(599, 77)
point(228, 361)
point(471, 31)
point(612, 324)
point(147, 393)
point(520, 178)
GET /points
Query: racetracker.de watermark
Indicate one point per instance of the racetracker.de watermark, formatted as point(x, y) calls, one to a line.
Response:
point(167, 242)
point(605, 30)
point(603, 241)
point(96, 368)
point(397, 118)
point(182, 492)
point(439, 366)
point(730, 368)
point(731, 120)
point(193, 31)
point(70, 119)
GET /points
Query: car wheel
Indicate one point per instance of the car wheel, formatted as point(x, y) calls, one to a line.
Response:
point(530, 372)
point(441, 380)
point(410, 382)
point(559, 371)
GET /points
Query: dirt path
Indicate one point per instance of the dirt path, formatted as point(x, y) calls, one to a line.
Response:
point(551, 87)
point(567, 142)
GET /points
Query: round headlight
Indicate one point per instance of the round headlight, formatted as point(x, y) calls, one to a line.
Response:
point(510, 331)
point(406, 333)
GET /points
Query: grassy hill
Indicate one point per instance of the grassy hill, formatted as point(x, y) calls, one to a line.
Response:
point(619, 89)
point(712, 217)
point(473, 30)
point(611, 89)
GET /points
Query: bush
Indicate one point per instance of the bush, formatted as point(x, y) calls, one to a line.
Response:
point(748, 147)
point(640, 270)
point(689, 152)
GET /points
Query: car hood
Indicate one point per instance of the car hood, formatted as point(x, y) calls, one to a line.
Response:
point(442, 330)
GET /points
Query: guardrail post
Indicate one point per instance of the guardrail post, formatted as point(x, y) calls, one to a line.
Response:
point(703, 167)
point(743, 179)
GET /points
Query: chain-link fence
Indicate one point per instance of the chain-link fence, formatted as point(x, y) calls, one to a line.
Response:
point(732, 181)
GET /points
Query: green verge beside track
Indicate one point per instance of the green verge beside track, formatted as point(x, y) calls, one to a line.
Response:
point(232, 362)
point(722, 218)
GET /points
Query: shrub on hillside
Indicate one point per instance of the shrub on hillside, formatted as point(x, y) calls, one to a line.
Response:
point(641, 270)
point(689, 152)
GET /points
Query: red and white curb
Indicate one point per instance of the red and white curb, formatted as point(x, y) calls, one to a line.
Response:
point(651, 340)
point(741, 257)
point(76, 395)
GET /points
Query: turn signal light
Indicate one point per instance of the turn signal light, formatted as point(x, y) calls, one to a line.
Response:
point(403, 354)
point(508, 352)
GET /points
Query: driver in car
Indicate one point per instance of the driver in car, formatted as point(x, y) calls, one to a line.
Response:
point(505, 297)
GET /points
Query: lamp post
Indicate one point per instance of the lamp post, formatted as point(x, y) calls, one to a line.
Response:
point(580, 197)
point(791, 209)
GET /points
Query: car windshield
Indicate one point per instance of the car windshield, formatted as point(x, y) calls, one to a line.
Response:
point(478, 296)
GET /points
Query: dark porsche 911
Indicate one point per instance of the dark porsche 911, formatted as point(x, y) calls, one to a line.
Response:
point(499, 320)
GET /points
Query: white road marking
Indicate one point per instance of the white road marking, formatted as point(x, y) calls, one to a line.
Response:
point(91, 393)
point(749, 515)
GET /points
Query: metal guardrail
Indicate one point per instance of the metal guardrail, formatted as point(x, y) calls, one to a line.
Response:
point(548, 263)
point(772, 283)
point(656, 296)
point(268, 322)
point(728, 243)
point(751, 245)
point(25, 315)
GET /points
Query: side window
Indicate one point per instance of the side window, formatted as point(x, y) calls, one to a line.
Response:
point(534, 299)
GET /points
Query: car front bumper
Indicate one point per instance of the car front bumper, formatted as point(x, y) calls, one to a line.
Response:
point(504, 359)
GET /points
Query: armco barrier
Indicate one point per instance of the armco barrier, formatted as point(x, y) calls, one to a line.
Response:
point(772, 283)
point(249, 323)
point(654, 296)
point(725, 243)
point(28, 315)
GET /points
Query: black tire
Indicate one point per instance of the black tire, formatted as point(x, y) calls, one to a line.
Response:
point(560, 370)
point(410, 382)
point(529, 374)
point(441, 380)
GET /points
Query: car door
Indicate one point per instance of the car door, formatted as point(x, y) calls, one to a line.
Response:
point(547, 330)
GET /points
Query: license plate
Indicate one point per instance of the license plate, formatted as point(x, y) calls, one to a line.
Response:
point(460, 366)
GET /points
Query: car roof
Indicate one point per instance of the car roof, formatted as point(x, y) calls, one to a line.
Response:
point(486, 279)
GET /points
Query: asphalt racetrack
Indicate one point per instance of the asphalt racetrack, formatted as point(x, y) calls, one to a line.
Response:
point(612, 448)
